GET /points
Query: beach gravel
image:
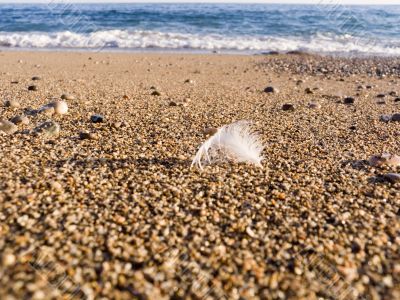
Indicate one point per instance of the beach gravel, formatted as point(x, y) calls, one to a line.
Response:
point(123, 216)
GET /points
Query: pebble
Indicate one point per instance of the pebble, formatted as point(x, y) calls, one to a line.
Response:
point(60, 107)
point(156, 93)
point(210, 131)
point(270, 89)
point(392, 177)
point(48, 129)
point(393, 94)
point(9, 259)
point(84, 135)
point(67, 97)
point(47, 110)
point(397, 100)
point(309, 91)
point(33, 88)
point(190, 81)
point(314, 105)
point(173, 103)
point(380, 96)
point(12, 104)
point(396, 117)
point(384, 159)
point(8, 127)
point(348, 100)
point(97, 118)
point(288, 107)
point(23, 120)
point(36, 78)
point(386, 118)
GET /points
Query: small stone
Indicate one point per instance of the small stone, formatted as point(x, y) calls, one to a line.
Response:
point(48, 129)
point(9, 259)
point(87, 136)
point(393, 93)
point(314, 105)
point(12, 104)
point(23, 120)
point(60, 107)
point(386, 118)
point(55, 185)
point(270, 89)
point(348, 100)
point(380, 96)
point(47, 110)
point(32, 88)
point(355, 247)
point(210, 131)
point(36, 78)
point(8, 127)
point(396, 118)
point(173, 103)
point(287, 107)
point(384, 159)
point(117, 124)
point(189, 81)
point(156, 93)
point(67, 97)
point(309, 91)
point(397, 100)
point(97, 119)
point(392, 177)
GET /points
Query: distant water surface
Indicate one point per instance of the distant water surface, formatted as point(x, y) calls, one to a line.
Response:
point(254, 28)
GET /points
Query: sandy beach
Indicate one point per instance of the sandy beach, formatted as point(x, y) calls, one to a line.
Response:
point(113, 210)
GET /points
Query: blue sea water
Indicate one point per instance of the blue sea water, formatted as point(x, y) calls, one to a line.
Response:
point(254, 28)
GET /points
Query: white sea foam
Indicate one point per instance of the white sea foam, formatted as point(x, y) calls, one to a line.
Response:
point(124, 39)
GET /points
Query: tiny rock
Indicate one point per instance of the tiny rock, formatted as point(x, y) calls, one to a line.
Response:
point(48, 129)
point(87, 136)
point(8, 127)
point(67, 97)
point(172, 103)
point(270, 89)
point(36, 78)
point(12, 104)
point(156, 93)
point(60, 107)
point(97, 119)
point(288, 107)
point(392, 177)
point(396, 118)
point(210, 131)
point(314, 105)
point(385, 159)
point(32, 88)
point(23, 120)
point(348, 100)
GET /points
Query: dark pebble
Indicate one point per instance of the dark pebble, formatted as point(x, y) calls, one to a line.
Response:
point(396, 118)
point(355, 247)
point(380, 96)
point(35, 78)
point(308, 91)
point(32, 88)
point(97, 119)
point(270, 89)
point(156, 93)
point(288, 107)
point(348, 100)
point(397, 100)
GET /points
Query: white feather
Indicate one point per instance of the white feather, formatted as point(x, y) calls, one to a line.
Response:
point(236, 142)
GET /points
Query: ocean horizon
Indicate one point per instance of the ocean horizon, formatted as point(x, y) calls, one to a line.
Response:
point(227, 28)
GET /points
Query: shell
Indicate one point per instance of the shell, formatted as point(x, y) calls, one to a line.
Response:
point(60, 107)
